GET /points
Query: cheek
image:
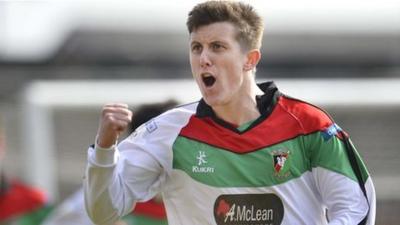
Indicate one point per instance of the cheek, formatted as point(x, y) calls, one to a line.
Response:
point(194, 62)
point(234, 69)
point(191, 60)
point(193, 65)
point(232, 81)
point(235, 76)
point(234, 62)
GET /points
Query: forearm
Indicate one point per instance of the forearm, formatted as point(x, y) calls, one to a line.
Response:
point(355, 209)
point(345, 201)
point(100, 177)
point(116, 179)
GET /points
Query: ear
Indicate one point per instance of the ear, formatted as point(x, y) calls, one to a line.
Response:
point(252, 59)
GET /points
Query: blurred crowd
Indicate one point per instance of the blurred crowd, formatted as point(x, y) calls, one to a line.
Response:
point(22, 204)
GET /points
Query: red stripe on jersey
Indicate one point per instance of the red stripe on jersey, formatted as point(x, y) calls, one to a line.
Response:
point(310, 117)
point(19, 200)
point(289, 119)
point(151, 209)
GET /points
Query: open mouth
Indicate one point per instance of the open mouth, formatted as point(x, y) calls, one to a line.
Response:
point(208, 79)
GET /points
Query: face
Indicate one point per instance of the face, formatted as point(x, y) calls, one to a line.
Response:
point(218, 63)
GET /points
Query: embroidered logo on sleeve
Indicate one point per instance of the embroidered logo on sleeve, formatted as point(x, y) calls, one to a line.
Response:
point(331, 131)
point(151, 126)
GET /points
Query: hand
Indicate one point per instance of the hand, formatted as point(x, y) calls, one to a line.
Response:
point(115, 119)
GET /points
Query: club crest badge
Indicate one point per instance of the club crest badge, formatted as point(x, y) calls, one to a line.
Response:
point(281, 162)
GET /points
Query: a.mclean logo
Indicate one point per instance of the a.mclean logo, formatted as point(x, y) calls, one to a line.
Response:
point(248, 209)
point(201, 162)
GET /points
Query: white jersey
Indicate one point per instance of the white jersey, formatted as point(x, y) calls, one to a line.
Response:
point(285, 168)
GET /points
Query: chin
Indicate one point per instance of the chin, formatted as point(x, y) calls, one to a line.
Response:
point(215, 97)
point(214, 102)
point(210, 101)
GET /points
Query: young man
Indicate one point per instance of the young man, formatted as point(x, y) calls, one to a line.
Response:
point(244, 154)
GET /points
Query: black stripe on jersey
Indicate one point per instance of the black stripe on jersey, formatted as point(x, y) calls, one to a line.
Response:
point(356, 168)
point(350, 151)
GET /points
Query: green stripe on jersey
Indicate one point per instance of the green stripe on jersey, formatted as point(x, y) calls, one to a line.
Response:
point(265, 167)
point(221, 168)
point(245, 125)
point(331, 155)
point(143, 220)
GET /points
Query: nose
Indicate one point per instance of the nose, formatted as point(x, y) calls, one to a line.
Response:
point(205, 60)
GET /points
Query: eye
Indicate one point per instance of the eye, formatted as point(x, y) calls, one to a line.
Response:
point(217, 47)
point(196, 48)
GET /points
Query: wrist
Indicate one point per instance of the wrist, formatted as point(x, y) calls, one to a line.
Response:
point(104, 145)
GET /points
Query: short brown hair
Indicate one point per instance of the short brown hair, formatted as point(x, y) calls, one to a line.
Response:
point(243, 16)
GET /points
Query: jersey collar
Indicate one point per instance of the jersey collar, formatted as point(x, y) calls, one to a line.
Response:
point(265, 105)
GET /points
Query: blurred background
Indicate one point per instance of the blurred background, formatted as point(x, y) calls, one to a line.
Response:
point(60, 61)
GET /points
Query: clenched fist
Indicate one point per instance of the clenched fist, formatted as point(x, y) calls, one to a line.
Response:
point(115, 119)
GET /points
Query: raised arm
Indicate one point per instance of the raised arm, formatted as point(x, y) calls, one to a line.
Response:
point(102, 159)
point(118, 176)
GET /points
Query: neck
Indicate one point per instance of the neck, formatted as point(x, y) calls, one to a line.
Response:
point(243, 109)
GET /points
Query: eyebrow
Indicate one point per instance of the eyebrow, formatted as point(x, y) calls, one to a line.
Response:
point(194, 42)
point(212, 42)
point(219, 42)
